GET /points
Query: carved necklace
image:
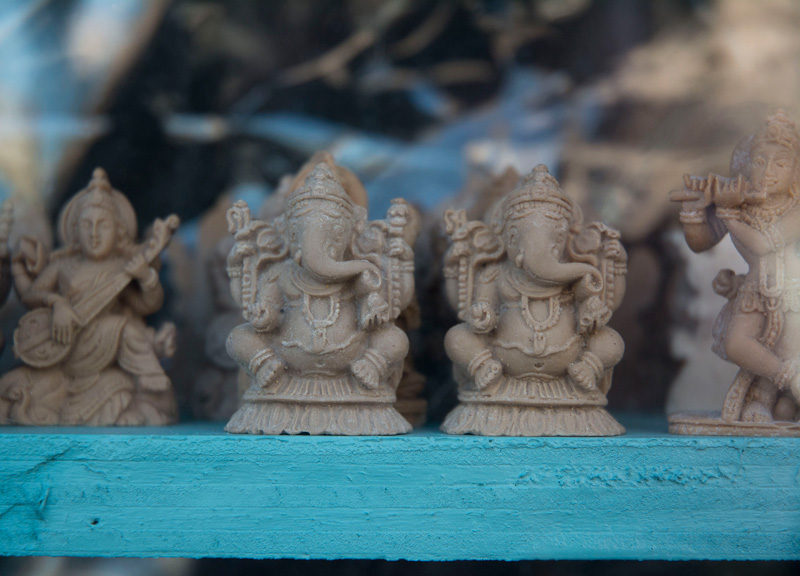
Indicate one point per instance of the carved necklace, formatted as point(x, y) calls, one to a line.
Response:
point(760, 218)
point(527, 293)
point(553, 315)
point(320, 325)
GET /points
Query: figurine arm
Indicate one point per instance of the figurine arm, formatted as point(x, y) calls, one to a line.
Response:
point(265, 313)
point(146, 295)
point(42, 291)
point(482, 315)
point(703, 233)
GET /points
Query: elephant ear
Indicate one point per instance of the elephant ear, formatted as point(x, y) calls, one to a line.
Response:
point(472, 244)
point(272, 244)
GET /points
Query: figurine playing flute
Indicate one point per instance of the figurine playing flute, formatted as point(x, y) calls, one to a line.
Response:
point(758, 329)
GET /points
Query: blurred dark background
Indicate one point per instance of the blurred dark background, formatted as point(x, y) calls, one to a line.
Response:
point(189, 104)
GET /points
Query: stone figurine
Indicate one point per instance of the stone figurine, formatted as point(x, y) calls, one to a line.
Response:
point(758, 328)
point(6, 220)
point(89, 358)
point(320, 288)
point(534, 288)
point(221, 382)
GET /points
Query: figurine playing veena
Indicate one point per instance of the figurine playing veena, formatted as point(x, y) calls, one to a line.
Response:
point(89, 358)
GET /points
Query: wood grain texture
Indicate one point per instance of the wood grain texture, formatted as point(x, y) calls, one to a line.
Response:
point(192, 490)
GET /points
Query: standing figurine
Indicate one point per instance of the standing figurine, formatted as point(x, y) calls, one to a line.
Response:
point(758, 329)
point(320, 288)
point(534, 289)
point(89, 357)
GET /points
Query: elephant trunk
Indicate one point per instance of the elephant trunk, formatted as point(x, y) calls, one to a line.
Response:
point(324, 267)
point(549, 270)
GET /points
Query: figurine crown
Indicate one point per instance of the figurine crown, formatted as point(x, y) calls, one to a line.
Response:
point(99, 191)
point(320, 184)
point(779, 129)
point(536, 188)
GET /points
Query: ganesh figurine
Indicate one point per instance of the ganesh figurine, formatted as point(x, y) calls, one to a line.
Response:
point(320, 288)
point(89, 358)
point(758, 328)
point(534, 288)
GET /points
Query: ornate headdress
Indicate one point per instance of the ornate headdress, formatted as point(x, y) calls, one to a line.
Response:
point(98, 193)
point(538, 191)
point(778, 129)
point(320, 185)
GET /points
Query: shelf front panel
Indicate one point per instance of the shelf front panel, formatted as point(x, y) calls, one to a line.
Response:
point(192, 490)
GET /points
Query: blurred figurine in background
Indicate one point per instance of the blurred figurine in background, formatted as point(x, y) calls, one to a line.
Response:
point(320, 288)
point(6, 219)
point(759, 327)
point(534, 288)
point(89, 357)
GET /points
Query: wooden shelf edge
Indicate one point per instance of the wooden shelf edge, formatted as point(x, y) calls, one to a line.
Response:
point(191, 490)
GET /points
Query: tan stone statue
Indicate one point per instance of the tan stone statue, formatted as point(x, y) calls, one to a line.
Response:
point(759, 327)
point(534, 288)
point(6, 220)
point(89, 358)
point(320, 288)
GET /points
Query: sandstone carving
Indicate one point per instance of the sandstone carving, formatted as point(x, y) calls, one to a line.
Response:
point(89, 358)
point(534, 288)
point(320, 288)
point(758, 329)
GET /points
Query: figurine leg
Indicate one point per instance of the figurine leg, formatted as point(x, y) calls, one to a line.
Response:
point(388, 345)
point(788, 347)
point(744, 349)
point(759, 402)
point(471, 352)
point(154, 402)
point(604, 350)
point(785, 409)
point(248, 348)
point(137, 357)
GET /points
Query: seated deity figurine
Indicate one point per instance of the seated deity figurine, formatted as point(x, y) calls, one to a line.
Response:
point(534, 288)
point(89, 358)
point(758, 329)
point(320, 288)
point(6, 220)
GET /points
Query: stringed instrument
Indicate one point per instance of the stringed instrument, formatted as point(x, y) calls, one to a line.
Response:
point(33, 341)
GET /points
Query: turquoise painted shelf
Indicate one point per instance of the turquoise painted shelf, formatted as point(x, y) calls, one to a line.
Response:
point(191, 490)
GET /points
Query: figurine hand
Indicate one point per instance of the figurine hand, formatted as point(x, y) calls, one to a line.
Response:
point(165, 341)
point(376, 312)
point(481, 317)
point(727, 193)
point(260, 316)
point(613, 250)
point(726, 283)
point(369, 279)
point(699, 186)
point(137, 267)
point(64, 322)
point(593, 314)
point(242, 250)
point(398, 214)
point(399, 248)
